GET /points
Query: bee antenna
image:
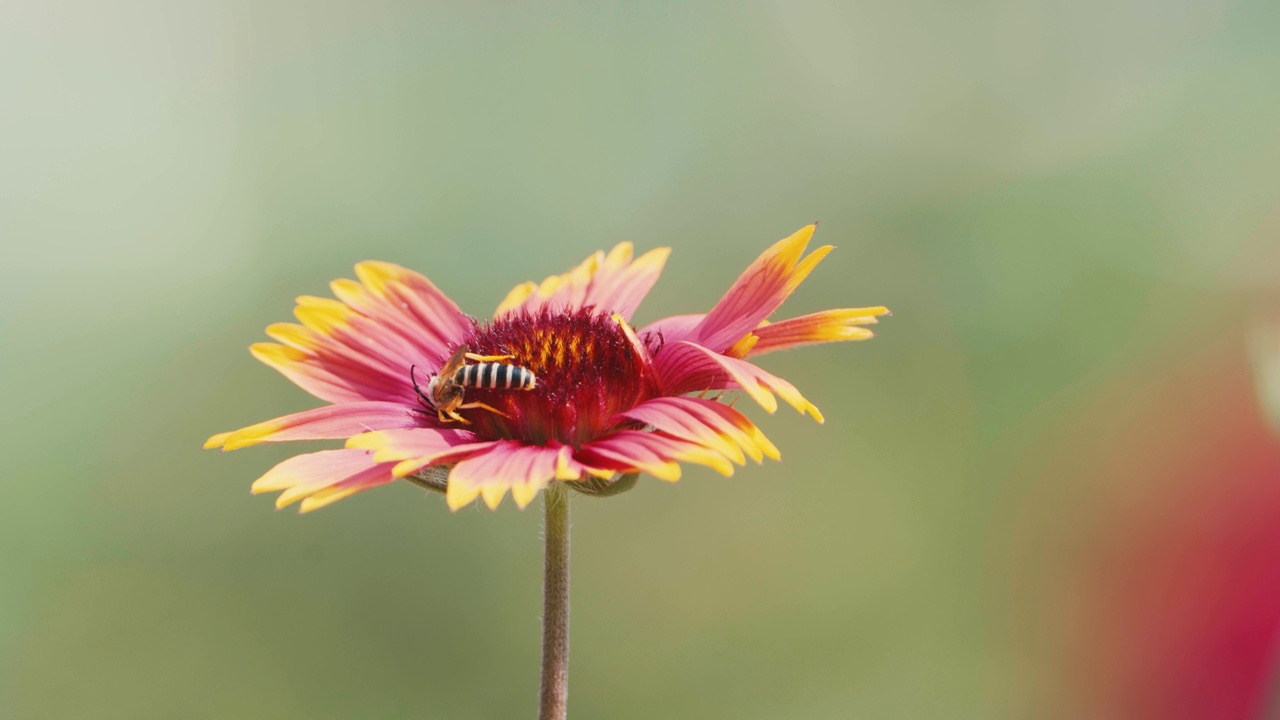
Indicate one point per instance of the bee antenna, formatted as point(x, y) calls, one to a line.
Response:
point(413, 377)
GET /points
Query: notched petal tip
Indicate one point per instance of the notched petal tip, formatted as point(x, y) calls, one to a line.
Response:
point(759, 290)
point(796, 241)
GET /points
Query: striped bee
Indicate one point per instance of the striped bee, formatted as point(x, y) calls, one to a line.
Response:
point(495, 376)
point(446, 389)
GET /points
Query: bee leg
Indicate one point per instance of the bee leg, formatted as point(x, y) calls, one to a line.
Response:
point(453, 415)
point(481, 405)
point(487, 358)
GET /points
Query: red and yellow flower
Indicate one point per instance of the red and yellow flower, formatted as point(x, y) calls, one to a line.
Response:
point(610, 399)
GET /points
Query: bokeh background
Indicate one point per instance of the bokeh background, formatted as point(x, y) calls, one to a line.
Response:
point(1049, 488)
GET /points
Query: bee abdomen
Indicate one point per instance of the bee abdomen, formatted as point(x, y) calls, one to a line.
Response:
point(495, 376)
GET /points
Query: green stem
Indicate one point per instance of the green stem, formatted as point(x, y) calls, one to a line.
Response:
point(553, 698)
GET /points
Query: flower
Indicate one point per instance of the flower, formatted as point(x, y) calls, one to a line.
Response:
point(609, 400)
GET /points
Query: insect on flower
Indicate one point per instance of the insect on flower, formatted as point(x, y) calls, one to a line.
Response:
point(563, 388)
point(446, 389)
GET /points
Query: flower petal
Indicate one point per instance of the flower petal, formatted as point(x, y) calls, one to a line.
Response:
point(685, 367)
point(362, 346)
point(652, 452)
point(403, 331)
point(304, 476)
point(673, 328)
point(675, 421)
point(307, 373)
point(347, 337)
point(820, 327)
point(612, 283)
point(506, 464)
point(411, 295)
point(335, 360)
point(516, 298)
point(331, 422)
point(626, 452)
point(371, 478)
point(620, 286)
point(711, 424)
point(761, 288)
point(413, 449)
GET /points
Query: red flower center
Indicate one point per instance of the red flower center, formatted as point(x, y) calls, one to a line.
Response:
point(587, 369)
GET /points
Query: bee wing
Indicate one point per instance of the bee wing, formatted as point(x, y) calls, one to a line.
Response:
point(454, 362)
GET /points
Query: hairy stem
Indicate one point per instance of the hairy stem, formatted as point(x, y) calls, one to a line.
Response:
point(553, 699)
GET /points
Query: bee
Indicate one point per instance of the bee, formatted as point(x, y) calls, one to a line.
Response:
point(446, 389)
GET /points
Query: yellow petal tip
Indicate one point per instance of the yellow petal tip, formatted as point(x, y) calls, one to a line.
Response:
point(524, 493)
point(493, 495)
point(817, 414)
point(216, 440)
point(458, 495)
point(669, 472)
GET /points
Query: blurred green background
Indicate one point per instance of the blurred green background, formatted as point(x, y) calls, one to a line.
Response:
point(1056, 200)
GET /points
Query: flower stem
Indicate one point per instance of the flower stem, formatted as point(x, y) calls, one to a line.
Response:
point(553, 698)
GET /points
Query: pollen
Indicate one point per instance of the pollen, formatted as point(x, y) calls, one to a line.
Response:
point(587, 371)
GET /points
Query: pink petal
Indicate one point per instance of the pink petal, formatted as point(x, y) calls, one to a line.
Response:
point(354, 338)
point(336, 345)
point(761, 288)
point(711, 424)
point(620, 285)
point(326, 381)
point(627, 451)
point(612, 283)
point(557, 291)
point(685, 367)
point(412, 449)
point(412, 296)
point(653, 453)
point(821, 327)
point(361, 481)
point(688, 367)
point(503, 465)
point(673, 328)
point(362, 347)
point(305, 476)
point(330, 422)
point(330, 349)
